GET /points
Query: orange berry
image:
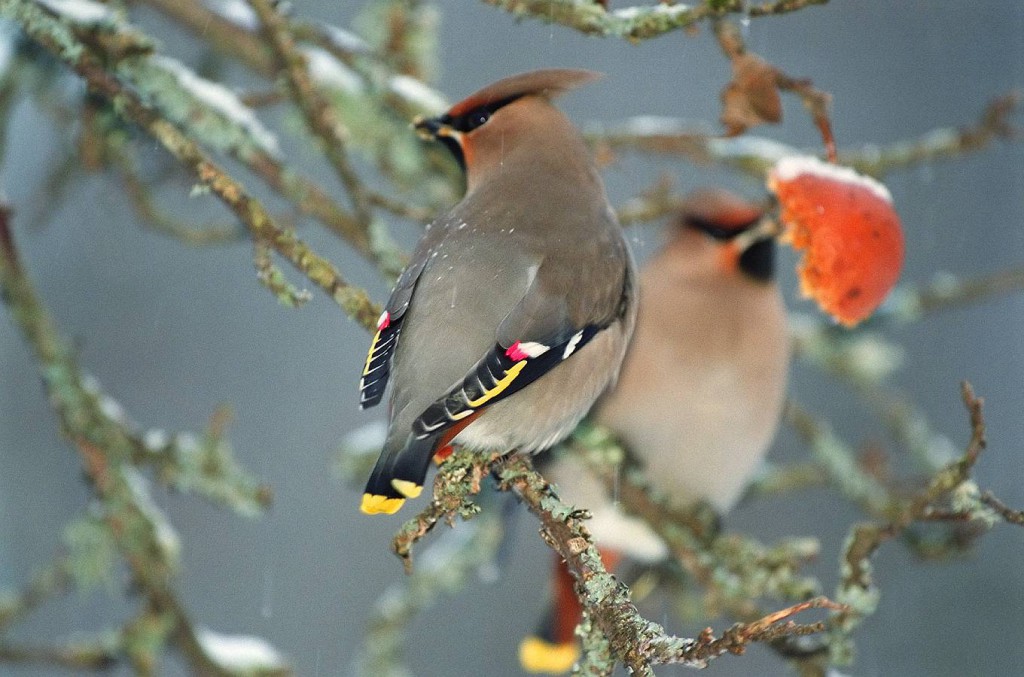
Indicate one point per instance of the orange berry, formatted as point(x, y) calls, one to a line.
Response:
point(850, 234)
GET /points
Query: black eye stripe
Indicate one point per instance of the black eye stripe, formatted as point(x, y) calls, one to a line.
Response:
point(472, 119)
point(715, 231)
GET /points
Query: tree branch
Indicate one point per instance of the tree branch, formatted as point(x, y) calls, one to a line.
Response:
point(951, 485)
point(641, 22)
point(754, 155)
point(99, 431)
point(947, 292)
point(1009, 515)
point(636, 642)
point(320, 117)
point(59, 41)
point(98, 654)
point(47, 583)
point(943, 143)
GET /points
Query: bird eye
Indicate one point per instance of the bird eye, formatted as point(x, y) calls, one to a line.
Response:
point(478, 118)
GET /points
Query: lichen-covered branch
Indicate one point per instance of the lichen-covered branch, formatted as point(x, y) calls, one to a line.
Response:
point(454, 487)
point(1008, 514)
point(355, 95)
point(753, 155)
point(216, 118)
point(642, 21)
point(944, 143)
point(356, 79)
point(271, 277)
point(212, 115)
point(150, 215)
point(125, 517)
point(950, 494)
point(222, 35)
point(633, 640)
point(657, 202)
point(863, 477)
point(320, 117)
point(45, 584)
point(839, 462)
point(102, 653)
point(60, 41)
point(777, 480)
point(734, 571)
point(865, 358)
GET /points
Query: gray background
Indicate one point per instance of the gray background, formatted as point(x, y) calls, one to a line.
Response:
point(172, 332)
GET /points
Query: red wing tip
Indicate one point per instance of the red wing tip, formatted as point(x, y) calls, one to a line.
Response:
point(443, 454)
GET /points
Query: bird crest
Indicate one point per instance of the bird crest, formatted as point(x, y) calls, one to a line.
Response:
point(549, 83)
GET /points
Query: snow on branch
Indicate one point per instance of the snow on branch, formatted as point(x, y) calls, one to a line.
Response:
point(642, 21)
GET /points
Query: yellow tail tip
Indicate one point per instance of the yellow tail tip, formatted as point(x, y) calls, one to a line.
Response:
point(407, 488)
point(540, 656)
point(377, 505)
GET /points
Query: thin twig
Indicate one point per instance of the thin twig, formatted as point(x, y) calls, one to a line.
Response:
point(838, 461)
point(321, 118)
point(943, 143)
point(815, 101)
point(219, 33)
point(152, 217)
point(47, 583)
point(1008, 514)
point(80, 655)
point(753, 570)
point(657, 202)
point(951, 483)
point(454, 486)
point(784, 479)
point(443, 568)
point(271, 277)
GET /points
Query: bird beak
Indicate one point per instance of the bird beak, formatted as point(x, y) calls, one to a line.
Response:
point(739, 239)
point(764, 229)
point(440, 129)
point(429, 129)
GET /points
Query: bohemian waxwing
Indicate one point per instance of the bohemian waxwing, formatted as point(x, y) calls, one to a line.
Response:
point(515, 311)
point(699, 397)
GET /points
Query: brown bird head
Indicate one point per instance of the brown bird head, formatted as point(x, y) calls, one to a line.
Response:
point(723, 232)
point(507, 118)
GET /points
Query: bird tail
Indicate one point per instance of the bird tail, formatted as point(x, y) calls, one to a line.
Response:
point(402, 468)
point(398, 475)
point(554, 649)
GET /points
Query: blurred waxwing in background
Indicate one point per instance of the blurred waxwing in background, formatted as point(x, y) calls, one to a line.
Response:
point(699, 398)
point(514, 313)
